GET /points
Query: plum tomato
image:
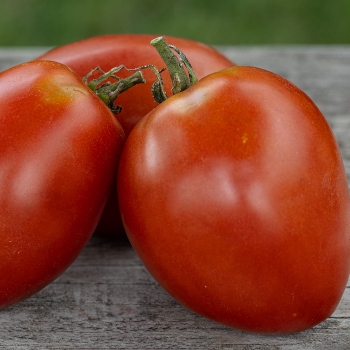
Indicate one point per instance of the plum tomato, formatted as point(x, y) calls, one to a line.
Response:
point(60, 146)
point(234, 195)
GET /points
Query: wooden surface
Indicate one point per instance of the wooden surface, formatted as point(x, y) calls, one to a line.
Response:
point(107, 299)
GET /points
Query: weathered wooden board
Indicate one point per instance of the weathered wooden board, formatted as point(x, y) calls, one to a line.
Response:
point(107, 299)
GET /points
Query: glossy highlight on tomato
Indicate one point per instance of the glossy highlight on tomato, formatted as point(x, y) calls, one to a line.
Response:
point(234, 195)
point(60, 146)
point(132, 50)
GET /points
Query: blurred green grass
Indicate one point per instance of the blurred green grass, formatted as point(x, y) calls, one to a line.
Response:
point(49, 23)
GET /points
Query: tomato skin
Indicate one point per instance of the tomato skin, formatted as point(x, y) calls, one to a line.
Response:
point(234, 195)
point(132, 50)
point(59, 149)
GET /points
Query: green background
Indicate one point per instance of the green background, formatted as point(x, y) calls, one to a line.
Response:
point(51, 23)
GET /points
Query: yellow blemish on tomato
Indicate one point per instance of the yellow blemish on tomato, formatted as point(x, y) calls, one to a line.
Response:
point(294, 315)
point(59, 89)
point(245, 138)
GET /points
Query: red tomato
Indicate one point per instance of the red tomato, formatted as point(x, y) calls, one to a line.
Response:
point(234, 195)
point(132, 51)
point(59, 149)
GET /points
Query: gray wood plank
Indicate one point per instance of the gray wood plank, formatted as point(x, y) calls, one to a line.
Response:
point(108, 300)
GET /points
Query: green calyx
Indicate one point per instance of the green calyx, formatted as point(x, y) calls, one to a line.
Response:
point(109, 92)
point(181, 80)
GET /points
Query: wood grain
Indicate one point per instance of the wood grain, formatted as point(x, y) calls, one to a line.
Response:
point(107, 299)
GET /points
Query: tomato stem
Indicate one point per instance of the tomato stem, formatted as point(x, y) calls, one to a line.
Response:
point(183, 59)
point(109, 92)
point(175, 64)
